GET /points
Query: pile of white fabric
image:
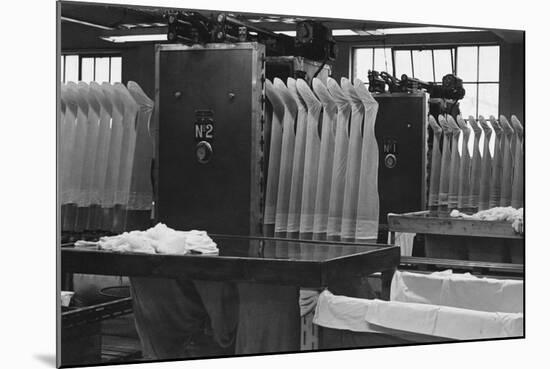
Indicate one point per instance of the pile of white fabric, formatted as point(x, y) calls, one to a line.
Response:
point(508, 214)
point(160, 240)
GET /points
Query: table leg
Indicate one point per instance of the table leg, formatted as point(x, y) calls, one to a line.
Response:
point(386, 277)
point(269, 319)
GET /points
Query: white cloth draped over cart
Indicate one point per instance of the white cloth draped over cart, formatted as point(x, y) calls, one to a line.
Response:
point(464, 291)
point(431, 305)
point(368, 207)
point(326, 158)
point(338, 182)
point(311, 159)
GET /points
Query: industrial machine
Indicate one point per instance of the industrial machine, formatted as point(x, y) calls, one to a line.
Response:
point(401, 133)
point(210, 112)
point(313, 40)
point(212, 135)
point(444, 96)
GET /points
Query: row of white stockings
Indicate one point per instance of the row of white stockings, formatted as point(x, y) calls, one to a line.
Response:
point(106, 154)
point(322, 180)
point(476, 180)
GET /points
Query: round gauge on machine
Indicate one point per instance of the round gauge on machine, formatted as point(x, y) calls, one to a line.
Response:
point(390, 161)
point(203, 150)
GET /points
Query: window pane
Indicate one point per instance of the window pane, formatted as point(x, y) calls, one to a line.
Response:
point(87, 71)
point(423, 65)
point(488, 100)
point(71, 68)
point(382, 60)
point(403, 63)
point(443, 64)
point(468, 103)
point(102, 69)
point(62, 68)
point(467, 63)
point(489, 63)
point(362, 63)
point(116, 69)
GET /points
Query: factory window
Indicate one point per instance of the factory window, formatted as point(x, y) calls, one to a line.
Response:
point(365, 59)
point(477, 66)
point(428, 65)
point(103, 68)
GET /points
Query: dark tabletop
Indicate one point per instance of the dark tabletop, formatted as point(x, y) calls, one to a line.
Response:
point(287, 262)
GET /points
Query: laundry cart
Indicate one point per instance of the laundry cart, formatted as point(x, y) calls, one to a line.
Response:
point(437, 307)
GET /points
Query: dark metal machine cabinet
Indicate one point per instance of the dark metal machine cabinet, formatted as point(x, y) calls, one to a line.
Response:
point(210, 118)
point(401, 126)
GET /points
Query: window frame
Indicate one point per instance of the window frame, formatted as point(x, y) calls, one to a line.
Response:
point(454, 62)
point(87, 54)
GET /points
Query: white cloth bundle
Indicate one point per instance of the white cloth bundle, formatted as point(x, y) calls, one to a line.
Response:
point(160, 240)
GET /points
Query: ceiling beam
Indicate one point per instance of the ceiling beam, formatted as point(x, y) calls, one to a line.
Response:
point(85, 23)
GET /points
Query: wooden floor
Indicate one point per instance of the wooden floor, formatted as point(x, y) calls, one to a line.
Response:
point(119, 341)
point(119, 349)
